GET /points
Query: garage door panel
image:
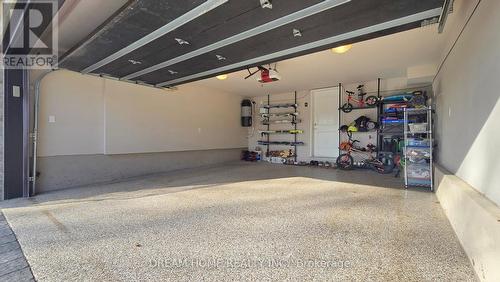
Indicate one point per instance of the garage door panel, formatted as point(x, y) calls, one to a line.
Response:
point(343, 19)
point(134, 21)
point(231, 18)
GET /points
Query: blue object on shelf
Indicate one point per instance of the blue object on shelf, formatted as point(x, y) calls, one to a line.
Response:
point(414, 142)
point(392, 121)
point(398, 98)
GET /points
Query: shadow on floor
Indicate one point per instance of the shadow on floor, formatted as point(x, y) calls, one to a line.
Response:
point(206, 177)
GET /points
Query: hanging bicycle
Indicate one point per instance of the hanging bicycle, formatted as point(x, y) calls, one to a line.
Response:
point(361, 102)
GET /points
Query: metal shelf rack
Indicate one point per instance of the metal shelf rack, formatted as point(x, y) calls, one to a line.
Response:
point(418, 148)
point(293, 121)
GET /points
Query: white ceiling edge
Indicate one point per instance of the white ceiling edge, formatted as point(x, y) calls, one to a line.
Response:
point(386, 57)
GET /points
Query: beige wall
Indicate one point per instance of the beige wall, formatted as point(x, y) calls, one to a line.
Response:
point(467, 99)
point(77, 103)
point(100, 116)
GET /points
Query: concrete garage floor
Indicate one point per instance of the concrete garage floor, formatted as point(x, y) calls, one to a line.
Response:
point(240, 222)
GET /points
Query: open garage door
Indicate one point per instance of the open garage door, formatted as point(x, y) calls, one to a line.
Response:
point(166, 43)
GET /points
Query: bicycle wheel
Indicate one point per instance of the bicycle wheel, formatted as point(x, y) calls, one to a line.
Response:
point(381, 168)
point(371, 101)
point(347, 108)
point(345, 162)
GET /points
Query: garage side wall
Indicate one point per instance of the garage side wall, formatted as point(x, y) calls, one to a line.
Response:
point(95, 130)
point(467, 100)
point(467, 129)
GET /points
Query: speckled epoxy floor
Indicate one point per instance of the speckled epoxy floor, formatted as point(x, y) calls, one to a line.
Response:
point(240, 222)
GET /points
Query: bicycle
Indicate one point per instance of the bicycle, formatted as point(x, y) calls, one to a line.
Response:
point(367, 160)
point(370, 101)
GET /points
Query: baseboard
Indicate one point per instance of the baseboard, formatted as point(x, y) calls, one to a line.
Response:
point(62, 172)
point(476, 221)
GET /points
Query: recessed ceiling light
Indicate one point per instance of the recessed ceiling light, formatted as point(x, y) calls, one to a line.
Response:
point(342, 49)
point(222, 77)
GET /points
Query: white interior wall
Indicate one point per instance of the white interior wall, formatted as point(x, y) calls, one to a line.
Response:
point(77, 103)
point(467, 99)
point(100, 116)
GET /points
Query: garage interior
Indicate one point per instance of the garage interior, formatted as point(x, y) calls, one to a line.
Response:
point(356, 133)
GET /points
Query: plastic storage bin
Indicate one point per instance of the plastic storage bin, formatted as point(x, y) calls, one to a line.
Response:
point(417, 142)
point(417, 127)
point(417, 171)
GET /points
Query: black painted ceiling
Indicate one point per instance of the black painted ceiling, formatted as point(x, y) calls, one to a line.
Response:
point(322, 24)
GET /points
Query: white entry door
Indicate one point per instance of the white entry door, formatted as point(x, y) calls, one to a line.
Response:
point(325, 122)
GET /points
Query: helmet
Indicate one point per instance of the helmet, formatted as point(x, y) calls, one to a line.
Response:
point(352, 128)
point(344, 128)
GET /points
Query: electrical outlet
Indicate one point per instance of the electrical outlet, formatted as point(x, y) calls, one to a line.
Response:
point(449, 111)
point(52, 119)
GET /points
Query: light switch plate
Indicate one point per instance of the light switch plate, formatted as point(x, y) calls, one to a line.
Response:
point(52, 119)
point(16, 91)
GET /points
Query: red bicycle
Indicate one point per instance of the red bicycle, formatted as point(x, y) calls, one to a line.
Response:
point(370, 101)
point(364, 157)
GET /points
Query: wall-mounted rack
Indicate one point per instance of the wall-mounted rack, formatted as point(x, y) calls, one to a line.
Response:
point(354, 110)
point(284, 121)
point(276, 106)
point(284, 143)
point(291, 119)
point(264, 132)
point(280, 115)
